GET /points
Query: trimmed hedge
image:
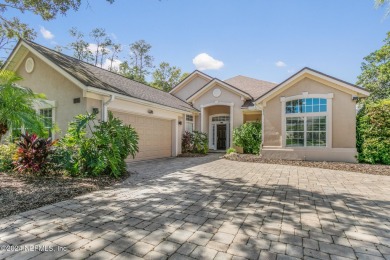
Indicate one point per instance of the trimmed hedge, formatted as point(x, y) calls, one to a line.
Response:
point(373, 133)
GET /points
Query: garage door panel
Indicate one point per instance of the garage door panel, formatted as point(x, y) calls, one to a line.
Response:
point(155, 135)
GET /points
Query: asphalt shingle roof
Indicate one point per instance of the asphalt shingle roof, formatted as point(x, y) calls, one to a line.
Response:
point(254, 87)
point(93, 76)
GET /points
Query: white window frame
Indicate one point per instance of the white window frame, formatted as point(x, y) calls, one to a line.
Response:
point(328, 114)
point(47, 104)
point(213, 130)
point(191, 122)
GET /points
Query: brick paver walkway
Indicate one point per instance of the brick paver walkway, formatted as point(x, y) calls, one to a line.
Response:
point(208, 208)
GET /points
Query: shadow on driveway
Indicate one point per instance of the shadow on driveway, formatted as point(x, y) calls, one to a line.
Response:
point(208, 207)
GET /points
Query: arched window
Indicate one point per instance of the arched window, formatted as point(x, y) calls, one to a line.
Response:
point(306, 121)
point(306, 105)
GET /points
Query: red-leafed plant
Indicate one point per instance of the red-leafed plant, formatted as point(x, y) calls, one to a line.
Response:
point(32, 153)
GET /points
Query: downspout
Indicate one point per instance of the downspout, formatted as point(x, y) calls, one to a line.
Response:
point(105, 108)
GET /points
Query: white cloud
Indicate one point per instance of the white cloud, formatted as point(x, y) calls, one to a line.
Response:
point(115, 64)
point(204, 61)
point(46, 33)
point(280, 64)
point(291, 71)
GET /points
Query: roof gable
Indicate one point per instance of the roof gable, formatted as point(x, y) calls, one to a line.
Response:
point(317, 76)
point(223, 84)
point(86, 75)
point(189, 78)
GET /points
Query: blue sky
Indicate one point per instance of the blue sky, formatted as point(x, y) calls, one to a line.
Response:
point(268, 40)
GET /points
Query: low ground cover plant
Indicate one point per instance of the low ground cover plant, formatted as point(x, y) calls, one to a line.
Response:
point(248, 136)
point(231, 150)
point(195, 142)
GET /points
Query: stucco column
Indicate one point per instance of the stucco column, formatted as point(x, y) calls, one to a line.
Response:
point(231, 125)
point(201, 119)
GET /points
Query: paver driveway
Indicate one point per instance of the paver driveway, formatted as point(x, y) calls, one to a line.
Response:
point(210, 208)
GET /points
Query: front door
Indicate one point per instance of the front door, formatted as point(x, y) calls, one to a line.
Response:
point(221, 137)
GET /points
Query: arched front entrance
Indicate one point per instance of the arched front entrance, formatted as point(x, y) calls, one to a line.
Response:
point(217, 122)
point(219, 132)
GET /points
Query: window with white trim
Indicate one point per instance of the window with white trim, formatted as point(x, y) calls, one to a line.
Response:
point(189, 123)
point(306, 122)
point(47, 117)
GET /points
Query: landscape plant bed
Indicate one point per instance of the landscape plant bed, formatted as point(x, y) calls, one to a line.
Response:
point(19, 193)
point(340, 166)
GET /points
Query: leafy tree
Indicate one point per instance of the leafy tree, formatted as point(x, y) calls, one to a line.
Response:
point(80, 46)
point(184, 75)
point(11, 28)
point(165, 77)
point(140, 60)
point(115, 50)
point(375, 75)
point(16, 105)
point(131, 72)
point(102, 41)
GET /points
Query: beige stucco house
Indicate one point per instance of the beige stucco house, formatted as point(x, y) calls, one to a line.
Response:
point(309, 116)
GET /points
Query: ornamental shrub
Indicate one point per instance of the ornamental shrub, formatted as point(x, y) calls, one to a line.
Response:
point(102, 152)
point(195, 142)
point(7, 153)
point(200, 142)
point(248, 136)
point(32, 153)
point(373, 132)
point(187, 142)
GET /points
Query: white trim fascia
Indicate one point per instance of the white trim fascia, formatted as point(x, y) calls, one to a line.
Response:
point(17, 65)
point(135, 100)
point(53, 65)
point(13, 55)
point(189, 78)
point(310, 72)
point(215, 82)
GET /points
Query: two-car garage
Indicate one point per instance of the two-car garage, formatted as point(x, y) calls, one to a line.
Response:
point(155, 135)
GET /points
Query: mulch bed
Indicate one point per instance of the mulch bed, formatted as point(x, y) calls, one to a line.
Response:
point(376, 169)
point(19, 193)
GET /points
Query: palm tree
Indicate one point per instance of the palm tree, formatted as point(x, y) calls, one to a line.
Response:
point(16, 105)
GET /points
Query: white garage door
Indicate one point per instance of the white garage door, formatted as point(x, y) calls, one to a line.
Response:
point(155, 135)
